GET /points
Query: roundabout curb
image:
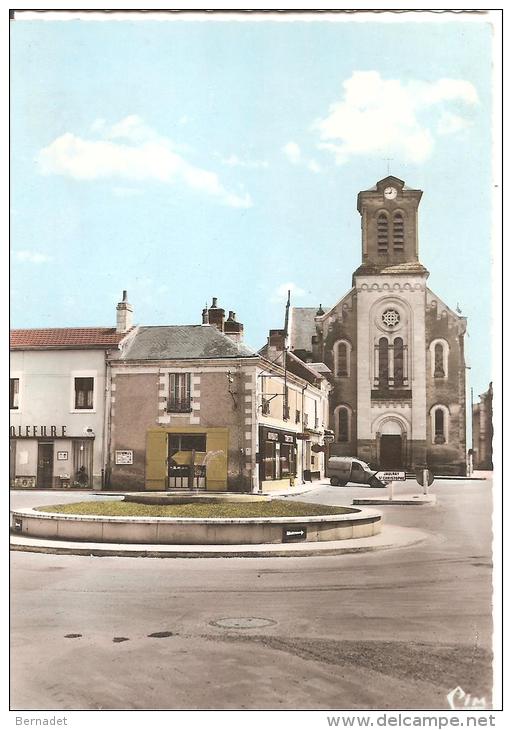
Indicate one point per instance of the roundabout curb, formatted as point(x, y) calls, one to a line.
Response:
point(392, 537)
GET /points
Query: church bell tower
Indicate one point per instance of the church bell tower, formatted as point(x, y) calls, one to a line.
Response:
point(389, 223)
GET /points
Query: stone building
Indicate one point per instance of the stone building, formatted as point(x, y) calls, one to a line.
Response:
point(192, 406)
point(482, 432)
point(394, 349)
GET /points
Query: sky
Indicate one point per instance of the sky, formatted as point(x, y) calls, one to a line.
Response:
point(187, 160)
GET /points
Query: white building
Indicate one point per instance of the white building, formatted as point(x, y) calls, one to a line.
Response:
point(58, 391)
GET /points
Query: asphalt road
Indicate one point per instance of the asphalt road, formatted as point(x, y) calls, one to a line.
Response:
point(391, 629)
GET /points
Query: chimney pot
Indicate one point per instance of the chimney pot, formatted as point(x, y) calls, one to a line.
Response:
point(214, 302)
point(124, 315)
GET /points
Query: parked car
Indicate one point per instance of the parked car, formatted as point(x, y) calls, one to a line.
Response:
point(344, 469)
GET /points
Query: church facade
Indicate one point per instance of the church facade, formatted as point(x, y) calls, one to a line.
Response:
point(394, 349)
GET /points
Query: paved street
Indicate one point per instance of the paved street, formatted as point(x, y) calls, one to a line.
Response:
point(397, 628)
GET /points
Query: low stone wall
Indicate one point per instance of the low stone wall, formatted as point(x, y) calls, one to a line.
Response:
point(194, 531)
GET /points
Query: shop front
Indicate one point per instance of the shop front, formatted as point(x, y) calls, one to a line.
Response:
point(187, 457)
point(277, 458)
point(47, 457)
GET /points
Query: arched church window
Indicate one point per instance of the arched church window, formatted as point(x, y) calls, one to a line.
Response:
point(398, 232)
point(439, 426)
point(439, 361)
point(383, 362)
point(382, 233)
point(343, 424)
point(342, 359)
point(398, 361)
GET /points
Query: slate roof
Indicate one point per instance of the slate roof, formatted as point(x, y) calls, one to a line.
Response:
point(303, 327)
point(65, 338)
point(183, 342)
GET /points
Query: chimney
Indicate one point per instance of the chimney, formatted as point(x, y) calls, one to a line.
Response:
point(234, 329)
point(275, 344)
point(124, 320)
point(216, 315)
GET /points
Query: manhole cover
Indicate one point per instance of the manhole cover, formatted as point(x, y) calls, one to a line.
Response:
point(250, 622)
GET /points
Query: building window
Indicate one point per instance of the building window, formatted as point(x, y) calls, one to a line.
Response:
point(398, 232)
point(382, 233)
point(342, 424)
point(439, 423)
point(439, 361)
point(383, 363)
point(297, 416)
point(265, 407)
point(84, 394)
point(179, 393)
point(14, 393)
point(342, 359)
point(439, 350)
point(316, 414)
point(286, 407)
point(398, 361)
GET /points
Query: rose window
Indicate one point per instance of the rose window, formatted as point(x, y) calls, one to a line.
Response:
point(390, 318)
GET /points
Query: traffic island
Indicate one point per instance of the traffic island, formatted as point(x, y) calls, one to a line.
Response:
point(255, 523)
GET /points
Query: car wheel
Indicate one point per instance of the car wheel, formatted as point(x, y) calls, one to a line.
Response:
point(343, 484)
point(335, 482)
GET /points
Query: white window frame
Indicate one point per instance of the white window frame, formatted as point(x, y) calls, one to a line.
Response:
point(84, 374)
point(446, 423)
point(337, 423)
point(14, 376)
point(446, 351)
point(336, 357)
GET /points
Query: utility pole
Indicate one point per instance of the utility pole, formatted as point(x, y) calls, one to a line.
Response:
point(285, 350)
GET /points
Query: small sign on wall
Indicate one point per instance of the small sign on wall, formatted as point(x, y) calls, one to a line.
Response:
point(124, 457)
point(62, 455)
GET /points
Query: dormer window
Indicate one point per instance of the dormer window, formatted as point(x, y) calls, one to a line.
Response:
point(382, 233)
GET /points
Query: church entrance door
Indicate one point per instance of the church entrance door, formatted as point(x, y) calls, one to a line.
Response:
point(390, 452)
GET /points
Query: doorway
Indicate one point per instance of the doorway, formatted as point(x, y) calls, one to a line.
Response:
point(187, 461)
point(390, 451)
point(45, 465)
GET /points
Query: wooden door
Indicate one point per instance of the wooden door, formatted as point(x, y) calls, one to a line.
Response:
point(45, 466)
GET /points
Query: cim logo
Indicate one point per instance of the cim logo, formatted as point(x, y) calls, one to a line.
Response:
point(459, 700)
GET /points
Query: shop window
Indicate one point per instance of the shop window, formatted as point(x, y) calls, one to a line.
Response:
point(398, 232)
point(398, 361)
point(382, 233)
point(84, 394)
point(383, 363)
point(269, 460)
point(82, 463)
point(286, 460)
point(187, 442)
point(179, 393)
point(14, 392)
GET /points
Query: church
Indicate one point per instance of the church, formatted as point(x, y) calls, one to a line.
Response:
point(394, 349)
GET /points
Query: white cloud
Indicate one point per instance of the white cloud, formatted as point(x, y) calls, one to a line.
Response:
point(379, 116)
point(32, 257)
point(130, 150)
point(235, 161)
point(293, 153)
point(280, 294)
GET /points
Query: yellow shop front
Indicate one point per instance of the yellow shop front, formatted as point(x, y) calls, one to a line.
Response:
point(187, 457)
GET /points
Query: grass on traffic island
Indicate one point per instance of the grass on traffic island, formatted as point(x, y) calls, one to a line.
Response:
point(274, 508)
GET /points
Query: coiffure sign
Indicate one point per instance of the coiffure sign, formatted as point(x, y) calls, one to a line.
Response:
point(31, 432)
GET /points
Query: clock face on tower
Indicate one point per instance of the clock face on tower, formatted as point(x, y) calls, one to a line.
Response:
point(390, 193)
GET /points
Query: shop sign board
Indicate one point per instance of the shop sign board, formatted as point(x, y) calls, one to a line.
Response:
point(124, 456)
point(37, 432)
point(294, 534)
point(62, 455)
